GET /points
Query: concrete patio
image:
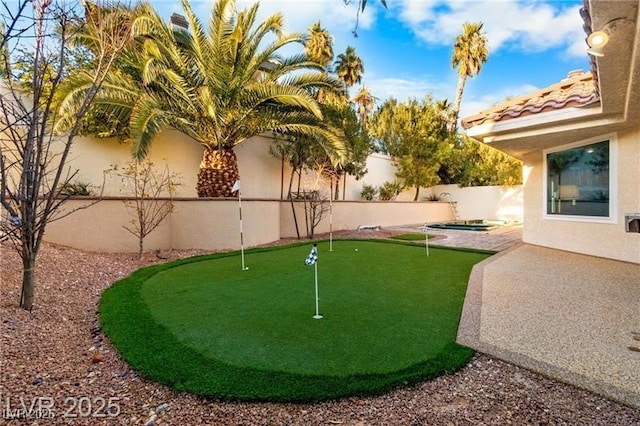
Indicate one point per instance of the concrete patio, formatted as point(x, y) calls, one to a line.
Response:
point(571, 317)
point(568, 316)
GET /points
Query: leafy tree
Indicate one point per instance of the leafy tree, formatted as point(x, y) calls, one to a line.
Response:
point(33, 163)
point(220, 86)
point(469, 53)
point(349, 67)
point(340, 114)
point(415, 133)
point(477, 164)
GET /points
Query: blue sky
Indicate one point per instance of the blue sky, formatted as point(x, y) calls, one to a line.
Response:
point(407, 49)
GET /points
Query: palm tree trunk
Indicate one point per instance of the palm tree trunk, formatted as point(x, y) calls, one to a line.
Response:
point(218, 172)
point(344, 187)
point(282, 179)
point(456, 104)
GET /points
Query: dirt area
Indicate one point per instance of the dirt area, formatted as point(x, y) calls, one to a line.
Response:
point(56, 358)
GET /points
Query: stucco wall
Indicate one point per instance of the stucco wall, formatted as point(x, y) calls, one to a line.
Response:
point(485, 202)
point(259, 170)
point(599, 239)
point(352, 214)
point(214, 224)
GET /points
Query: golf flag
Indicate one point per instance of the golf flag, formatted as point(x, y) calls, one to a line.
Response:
point(236, 186)
point(313, 256)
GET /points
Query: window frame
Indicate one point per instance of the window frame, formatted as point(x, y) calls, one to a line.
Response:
point(613, 181)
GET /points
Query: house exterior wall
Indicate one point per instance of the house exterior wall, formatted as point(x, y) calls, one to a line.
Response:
point(607, 240)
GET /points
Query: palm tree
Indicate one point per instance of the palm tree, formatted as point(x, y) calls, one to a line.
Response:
point(469, 53)
point(318, 45)
point(220, 86)
point(366, 102)
point(349, 68)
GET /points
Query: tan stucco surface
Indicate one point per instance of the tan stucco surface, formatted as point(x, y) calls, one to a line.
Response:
point(214, 224)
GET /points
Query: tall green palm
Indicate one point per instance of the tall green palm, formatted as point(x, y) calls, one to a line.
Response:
point(469, 53)
point(318, 45)
point(220, 85)
point(349, 67)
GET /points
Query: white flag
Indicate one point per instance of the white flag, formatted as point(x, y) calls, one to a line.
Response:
point(236, 186)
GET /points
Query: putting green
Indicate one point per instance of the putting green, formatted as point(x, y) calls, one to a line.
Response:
point(390, 316)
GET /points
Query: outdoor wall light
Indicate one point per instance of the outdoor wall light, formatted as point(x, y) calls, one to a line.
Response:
point(597, 40)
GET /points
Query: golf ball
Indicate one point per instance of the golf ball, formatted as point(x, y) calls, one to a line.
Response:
point(356, 249)
point(246, 268)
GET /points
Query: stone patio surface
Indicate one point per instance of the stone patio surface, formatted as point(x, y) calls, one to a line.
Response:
point(568, 316)
point(572, 317)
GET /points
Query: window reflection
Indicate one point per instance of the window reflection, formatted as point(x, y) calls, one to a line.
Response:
point(578, 181)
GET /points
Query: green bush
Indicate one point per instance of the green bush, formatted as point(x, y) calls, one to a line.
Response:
point(368, 192)
point(390, 190)
point(76, 188)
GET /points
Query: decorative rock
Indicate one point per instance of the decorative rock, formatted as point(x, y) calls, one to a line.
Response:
point(160, 409)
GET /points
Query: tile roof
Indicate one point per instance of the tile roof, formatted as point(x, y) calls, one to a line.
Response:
point(579, 89)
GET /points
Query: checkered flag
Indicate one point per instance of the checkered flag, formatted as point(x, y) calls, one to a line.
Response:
point(313, 256)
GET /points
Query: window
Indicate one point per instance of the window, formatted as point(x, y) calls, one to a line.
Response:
point(579, 181)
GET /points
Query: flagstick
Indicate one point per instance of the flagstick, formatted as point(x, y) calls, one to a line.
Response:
point(330, 222)
point(317, 315)
point(426, 238)
point(241, 233)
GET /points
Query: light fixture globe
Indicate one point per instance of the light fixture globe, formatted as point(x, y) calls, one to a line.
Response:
point(598, 39)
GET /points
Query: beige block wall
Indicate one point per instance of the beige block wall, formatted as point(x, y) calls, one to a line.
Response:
point(259, 171)
point(214, 224)
point(485, 202)
point(100, 228)
point(351, 214)
point(597, 239)
point(194, 224)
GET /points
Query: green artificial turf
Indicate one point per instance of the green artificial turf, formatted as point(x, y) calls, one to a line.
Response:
point(410, 237)
point(204, 326)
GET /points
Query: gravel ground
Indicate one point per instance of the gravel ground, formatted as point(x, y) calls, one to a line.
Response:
point(56, 357)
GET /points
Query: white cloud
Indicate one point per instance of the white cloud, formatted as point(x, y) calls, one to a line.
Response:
point(338, 18)
point(524, 25)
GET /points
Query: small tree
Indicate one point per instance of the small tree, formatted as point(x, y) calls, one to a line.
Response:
point(315, 207)
point(33, 163)
point(415, 133)
point(153, 192)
